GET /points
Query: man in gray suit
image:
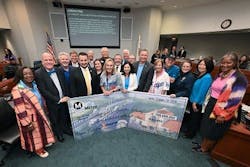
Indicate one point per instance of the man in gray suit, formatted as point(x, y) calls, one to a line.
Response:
point(144, 71)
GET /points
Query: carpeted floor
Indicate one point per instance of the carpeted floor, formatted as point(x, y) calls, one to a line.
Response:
point(121, 148)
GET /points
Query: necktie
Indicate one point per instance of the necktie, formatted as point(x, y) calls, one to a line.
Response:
point(51, 72)
point(87, 81)
point(116, 70)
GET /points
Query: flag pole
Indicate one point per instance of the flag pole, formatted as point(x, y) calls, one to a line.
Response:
point(50, 49)
point(138, 47)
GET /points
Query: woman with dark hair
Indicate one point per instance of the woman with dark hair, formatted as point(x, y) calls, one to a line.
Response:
point(160, 82)
point(183, 85)
point(243, 62)
point(11, 68)
point(198, 95)
point(129, 79)
point(35, 129)
point(9, 57)
point(98, 69)
point(98, 66)
point(227, 91)
point(155, 56)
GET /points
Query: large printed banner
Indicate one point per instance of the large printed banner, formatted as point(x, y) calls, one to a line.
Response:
point(148, 112)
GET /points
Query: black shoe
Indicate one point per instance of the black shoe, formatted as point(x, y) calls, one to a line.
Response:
point(196, 144)
point(199, 150)
point(60, 139)
point(188, 136)
point(68, 132)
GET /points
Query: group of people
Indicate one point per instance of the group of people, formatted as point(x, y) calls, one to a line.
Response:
point(45, 92)
point(182, 53)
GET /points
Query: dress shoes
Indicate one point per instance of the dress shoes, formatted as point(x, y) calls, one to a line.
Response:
point(188, 135)
point(68, 132)
point(60, 139)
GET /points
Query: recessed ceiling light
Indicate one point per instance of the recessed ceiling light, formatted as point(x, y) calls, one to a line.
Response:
point(175, 6)
point(162, 1)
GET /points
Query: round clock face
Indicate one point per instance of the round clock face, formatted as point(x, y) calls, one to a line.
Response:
point(226, 23)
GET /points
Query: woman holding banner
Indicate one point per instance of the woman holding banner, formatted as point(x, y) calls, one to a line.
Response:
point(110, 81)
point(160, 82)
point(129, 79)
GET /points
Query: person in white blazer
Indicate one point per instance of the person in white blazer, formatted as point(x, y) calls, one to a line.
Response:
point(129, 79)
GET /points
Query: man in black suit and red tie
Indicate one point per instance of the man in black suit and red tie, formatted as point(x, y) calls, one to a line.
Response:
point(84, 80)
point(50, 83)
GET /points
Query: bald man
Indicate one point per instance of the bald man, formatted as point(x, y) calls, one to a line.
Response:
point(125, 54)
point(50, 83)
point(104, 54)
point(91, 58)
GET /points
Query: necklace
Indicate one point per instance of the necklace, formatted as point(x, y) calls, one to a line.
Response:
point(224, 75)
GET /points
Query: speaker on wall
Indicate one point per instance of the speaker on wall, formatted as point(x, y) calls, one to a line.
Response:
point(57, 4)
point(126, 28)
point(58, 25)
point(126, 10)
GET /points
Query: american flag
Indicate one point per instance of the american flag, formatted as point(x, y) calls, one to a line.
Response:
point(50, 48)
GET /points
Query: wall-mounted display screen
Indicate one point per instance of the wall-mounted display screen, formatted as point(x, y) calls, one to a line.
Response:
point(93, 27)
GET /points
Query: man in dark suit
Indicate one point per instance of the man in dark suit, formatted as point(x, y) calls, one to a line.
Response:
point(173, 51)
point(118, 63)
point(66, 70)
point(104, 54)
point(74, 59)
point(182, 53)
point(125, 54)
point(143, 71)
point(84, 80)
point(50, 83)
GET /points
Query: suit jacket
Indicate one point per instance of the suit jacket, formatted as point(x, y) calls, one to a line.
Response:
point(67, 85)
point(78, 85)
point(183, 54)
point(174, 53)
point(48, 89)
point(183, 85)
point(146, 72)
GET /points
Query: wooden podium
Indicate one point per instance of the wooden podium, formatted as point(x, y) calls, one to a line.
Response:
point(234, 147)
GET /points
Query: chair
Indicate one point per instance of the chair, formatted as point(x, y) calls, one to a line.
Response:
point(9, 133)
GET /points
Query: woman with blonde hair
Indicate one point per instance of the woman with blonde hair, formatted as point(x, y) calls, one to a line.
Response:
point(110, 80)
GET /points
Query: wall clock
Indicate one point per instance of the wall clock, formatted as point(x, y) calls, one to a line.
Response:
point(226, 23)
